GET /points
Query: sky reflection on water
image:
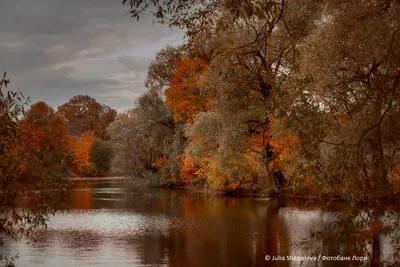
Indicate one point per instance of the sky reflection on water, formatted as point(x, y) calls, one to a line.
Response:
point(110, 223)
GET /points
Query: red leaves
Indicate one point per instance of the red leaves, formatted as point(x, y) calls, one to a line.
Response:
point(51, 126)
point(189, 169)
point(83, 113)
point(33, 137)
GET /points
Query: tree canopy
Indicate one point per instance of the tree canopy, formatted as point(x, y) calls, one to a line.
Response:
point(303, 93)
point(83, 113)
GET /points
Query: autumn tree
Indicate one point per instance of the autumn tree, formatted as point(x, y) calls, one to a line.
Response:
point(250, 63)
point(83, 113)
point(355, 97)
point(153, 114)
point(30, 188)
point(234, 39)
point(174, 76)
point(195, 15)
point(306, 90)
point(80, 147)
point(176, 13)
point(162, 68)
point(184, 96)
point(219, 146)
point(43, 118)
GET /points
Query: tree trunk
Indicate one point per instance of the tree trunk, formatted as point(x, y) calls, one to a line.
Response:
point(276, 178)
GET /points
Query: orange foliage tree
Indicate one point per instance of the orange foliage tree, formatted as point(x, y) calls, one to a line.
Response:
point(31, 141)
point(80, 147)
point(184, 96)
point(55, 136)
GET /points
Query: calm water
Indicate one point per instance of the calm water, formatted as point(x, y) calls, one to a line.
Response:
point(110, 223)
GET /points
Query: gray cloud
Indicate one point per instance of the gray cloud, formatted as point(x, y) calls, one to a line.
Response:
point(135, 64)
point(55, 49)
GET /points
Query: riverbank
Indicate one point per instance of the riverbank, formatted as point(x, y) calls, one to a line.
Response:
point(242, 193)
point(271, 193)
point(99, 178)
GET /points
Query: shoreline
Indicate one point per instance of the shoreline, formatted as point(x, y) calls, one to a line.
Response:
point(140, 183)
point(114, 178)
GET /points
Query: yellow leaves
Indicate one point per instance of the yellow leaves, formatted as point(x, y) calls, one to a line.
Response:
point(229, 171)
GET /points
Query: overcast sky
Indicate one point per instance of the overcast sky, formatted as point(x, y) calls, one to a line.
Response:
point(55, 49)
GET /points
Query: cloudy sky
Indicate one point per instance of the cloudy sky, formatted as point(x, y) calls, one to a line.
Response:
point(55, 49)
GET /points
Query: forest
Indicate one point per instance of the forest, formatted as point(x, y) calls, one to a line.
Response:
point(299, 98)
point(285, 97)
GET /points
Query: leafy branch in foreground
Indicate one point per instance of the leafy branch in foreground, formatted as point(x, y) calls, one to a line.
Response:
point(32, 185)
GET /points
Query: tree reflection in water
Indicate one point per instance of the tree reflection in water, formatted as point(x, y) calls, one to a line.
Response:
point(112, 223)
point(368, 230)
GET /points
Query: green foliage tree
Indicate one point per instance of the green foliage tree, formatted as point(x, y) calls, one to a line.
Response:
point(100, 156)
point(149, 142)
point(142, 138)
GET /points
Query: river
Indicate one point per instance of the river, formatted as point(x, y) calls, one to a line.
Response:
point(112, 223)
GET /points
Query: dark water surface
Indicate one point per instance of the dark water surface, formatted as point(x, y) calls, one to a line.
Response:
point(111, 223)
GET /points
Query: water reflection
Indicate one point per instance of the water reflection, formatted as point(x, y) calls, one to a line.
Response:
point(111, 223)
point(367, 231)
